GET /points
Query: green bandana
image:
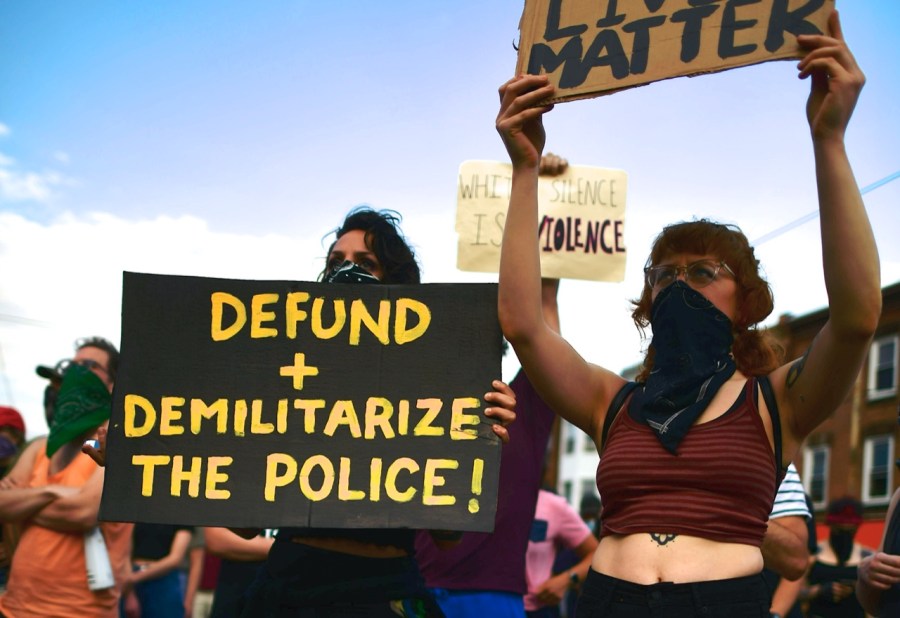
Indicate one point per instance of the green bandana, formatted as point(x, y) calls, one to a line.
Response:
point(83, 404)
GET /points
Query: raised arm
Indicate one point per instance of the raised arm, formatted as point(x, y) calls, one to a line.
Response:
point(811, 388)
point(572, 387)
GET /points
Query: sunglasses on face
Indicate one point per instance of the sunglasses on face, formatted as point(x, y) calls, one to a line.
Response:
point(698, 274)
point(87, 363)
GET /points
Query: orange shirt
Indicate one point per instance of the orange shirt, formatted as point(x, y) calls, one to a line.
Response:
point(48, 576)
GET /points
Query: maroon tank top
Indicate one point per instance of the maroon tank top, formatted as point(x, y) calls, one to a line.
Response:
point(720, 486)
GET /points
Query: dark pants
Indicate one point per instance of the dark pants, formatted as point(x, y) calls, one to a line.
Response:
point(299, 581)
point(741, 597)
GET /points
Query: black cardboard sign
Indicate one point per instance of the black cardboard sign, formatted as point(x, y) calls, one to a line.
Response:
point(274, 403)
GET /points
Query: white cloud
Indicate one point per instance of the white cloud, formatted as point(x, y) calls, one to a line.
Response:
point(62, 281)
point(17, 186)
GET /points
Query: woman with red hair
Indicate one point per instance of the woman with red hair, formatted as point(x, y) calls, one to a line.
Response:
point(692, 456)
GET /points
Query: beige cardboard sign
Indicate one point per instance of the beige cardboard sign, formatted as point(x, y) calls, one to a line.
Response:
point(582, 220)
point(596, 47)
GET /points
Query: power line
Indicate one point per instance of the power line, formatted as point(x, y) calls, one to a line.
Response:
point(5, 317)
point(810, 216)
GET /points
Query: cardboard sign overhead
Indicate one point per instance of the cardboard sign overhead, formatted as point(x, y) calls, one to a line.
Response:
point(582, 220)
point(596, 47)
point(267, 404)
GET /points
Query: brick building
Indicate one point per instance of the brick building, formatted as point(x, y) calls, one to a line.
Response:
point(853, 452)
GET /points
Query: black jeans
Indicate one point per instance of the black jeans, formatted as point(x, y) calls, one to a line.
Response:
point(299, 581)
point(741, 597)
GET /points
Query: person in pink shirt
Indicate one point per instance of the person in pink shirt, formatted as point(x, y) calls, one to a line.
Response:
point(556, 526)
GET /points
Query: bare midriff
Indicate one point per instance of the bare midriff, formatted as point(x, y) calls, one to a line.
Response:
point(640, 559)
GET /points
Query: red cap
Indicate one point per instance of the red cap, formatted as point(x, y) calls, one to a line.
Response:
point(10, 417)
point(845, 511)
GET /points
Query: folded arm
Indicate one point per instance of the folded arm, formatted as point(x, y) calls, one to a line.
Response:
point(76, 512)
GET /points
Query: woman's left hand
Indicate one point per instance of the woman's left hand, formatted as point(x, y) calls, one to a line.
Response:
point(502, 408)
point(836, 81)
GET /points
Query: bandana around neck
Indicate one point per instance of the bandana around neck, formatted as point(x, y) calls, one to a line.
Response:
point(692, 359)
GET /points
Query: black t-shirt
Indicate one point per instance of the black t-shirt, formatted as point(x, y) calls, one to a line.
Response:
point(154, 541)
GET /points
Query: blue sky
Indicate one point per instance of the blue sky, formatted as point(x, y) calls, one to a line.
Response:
point(226, 139)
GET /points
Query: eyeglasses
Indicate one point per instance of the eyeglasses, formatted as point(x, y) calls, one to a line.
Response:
point(87, 363)
point(698, 274)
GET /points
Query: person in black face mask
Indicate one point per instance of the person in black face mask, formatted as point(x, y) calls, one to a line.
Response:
point(692, 451)
point(831, 582)
point(358, 572)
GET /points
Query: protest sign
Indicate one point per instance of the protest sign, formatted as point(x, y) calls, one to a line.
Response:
point(582, 220)
point(593, 48)
point(273, 403)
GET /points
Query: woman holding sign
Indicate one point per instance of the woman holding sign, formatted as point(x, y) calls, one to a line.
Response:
point(688, 474)
point(321, 572)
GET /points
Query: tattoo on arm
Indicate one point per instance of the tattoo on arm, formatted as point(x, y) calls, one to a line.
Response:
point(662, 539)
point(797, 368)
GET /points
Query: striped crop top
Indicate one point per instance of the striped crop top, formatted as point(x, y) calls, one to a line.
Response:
point(720, 486)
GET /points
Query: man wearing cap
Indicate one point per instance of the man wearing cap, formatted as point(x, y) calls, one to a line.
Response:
point(54, 492)
point(95, 353)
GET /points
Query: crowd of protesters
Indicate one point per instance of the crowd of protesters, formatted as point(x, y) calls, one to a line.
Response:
point(698, 491)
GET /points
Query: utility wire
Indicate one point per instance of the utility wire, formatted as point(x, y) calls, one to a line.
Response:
point(809, 217)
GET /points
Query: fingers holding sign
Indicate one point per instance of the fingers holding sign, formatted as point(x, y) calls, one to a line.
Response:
point(836, 81)
point(97, 448)
point(502, 408)
point(519, 120)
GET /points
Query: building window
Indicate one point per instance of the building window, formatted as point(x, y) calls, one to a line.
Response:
point(877, 469)
point(883, 367)
point(589, 446)
point(567, 491)
point(815, 473)
point(570, 430)
point(588, 487)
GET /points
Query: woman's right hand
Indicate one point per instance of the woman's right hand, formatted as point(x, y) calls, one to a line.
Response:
point(519, 120)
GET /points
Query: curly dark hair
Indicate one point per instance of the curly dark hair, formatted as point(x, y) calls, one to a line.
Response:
point(102, 344)
point(755, 351)
point(385, 239)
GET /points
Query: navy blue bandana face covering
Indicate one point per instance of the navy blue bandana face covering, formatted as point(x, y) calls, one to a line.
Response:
point(348, 272)
point(692, 359)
